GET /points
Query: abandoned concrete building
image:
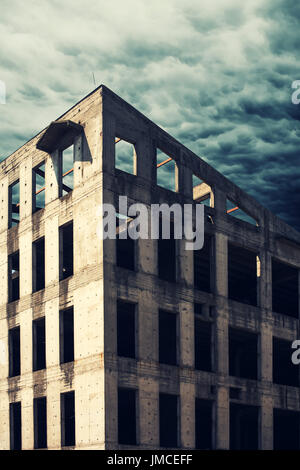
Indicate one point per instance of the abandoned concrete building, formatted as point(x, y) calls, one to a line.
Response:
point(114, 344)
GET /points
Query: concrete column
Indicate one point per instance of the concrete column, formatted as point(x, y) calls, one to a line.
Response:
point(52, 332)
point(187, 406)
point(148, 413)
point(53, 416)
point(27, 419)
point(25, 247)
point(266, 352)
point(51, 250)
point(146, 159)
point(3, 268)
point(266, 438)
point(4, 397)
point(222, 418)
point(147, 312)
point(4, 421)
point(26, 188)
point(111, 409)
point(185, 180)
point(53, 173)
point(186, 317)
point(107, 161)
point(218, 200)
point(265, 281)
point(26, 341)
point(4, 204)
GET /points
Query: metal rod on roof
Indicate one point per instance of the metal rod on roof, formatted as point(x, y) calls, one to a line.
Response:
point(233, 209)
point(164, 162)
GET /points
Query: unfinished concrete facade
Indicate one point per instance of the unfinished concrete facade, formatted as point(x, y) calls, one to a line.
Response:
point(122, 346)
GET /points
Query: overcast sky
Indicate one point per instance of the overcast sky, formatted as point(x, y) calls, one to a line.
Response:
point(216, 74)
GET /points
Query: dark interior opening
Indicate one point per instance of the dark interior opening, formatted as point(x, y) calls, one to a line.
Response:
point(203, 345)
point(284, 371)
point(202, 266)
point(66, 335)
point(13, 277)
point(67, 404)
point(285, 297)
point(203, 424)
point(286, 425)
point(168, 420)
point(66, 251)
point(38, 264)
point(14, 204)
point(15, 426)
point(243, 427)
point(38, 187)
point(14, 352)
point(242, 354)
point(126, 253)
point(39, 344)
point(242, 275)
point(167, 338)
point(167, 255)
point(127, 416)
point(40, 423)
point(126, 329)
point(67, 166)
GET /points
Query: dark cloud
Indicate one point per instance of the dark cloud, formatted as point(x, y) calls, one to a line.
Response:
point(216, 74)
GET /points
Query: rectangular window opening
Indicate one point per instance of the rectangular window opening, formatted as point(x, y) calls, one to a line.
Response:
point(243, 275)
point(201, 192)
point(244, 422)
point(13, 277)
point(15, 426)
point(39, 344)
point(126, 329)
point(203, 424)
point(234, 210)
point(125, 156)
point(167, 338)
point(202, 266)
point(166, 170)
point(286, 426)
point(125, 247)
point(67, 403)
point(203, 344)
point(66, 250)
point(67, 168)
point(243, 353)
point(38, 265)
point(167, 255)
point(285, 290)
point(14, 204)
point(14, 352)
point(284, 371)
point(38, 187)
point(66, 325)
point(40, 422)
point(127, 416)
point(168, 420)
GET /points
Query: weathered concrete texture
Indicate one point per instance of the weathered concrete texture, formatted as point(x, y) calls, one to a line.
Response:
point(97, 283)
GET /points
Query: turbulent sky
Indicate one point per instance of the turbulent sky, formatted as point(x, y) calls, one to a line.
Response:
point(216, 74)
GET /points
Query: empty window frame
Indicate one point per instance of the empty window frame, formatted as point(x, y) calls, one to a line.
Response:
point(14, 352)
point(203, 344)
point(125, 156)
point(243, 275)
point(201, 192)
point(38, 344)
point(40, 422)
point(14, 204)
point(67, 170)
point(203, 266)
point(168, 338)
point(166, 171)
point(243, 350)
point(13, 277)
point(127, 416)
point(38, 187)
point(125, 247)
point(284, 371)
point(126, 329)
point(67, 408)
point(167, 255)
point(66, 335)
point(66, 250)
point(244, 422)
point(285, 289)
point(203, 424)
point(38, 265)
point(286, 426)
point(15, 426)
point(235, 211)
point(168, 420)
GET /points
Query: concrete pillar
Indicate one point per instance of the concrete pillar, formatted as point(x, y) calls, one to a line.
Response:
point(107, 161)
point(52, 332)
point(146, 159)
point(25, 259)
point(26, 188)
point(53, 416)
point(4, 421)
point(26, 341)
point(186, 317)
point(222, 418)
point(218, 200)
point(266, 434)
point(53, 172)
point(187, 407)
point(27, 419)
point(148, 412)
point(111, 409)
point(4, 204)
point(147, 319)
point(51, 250)
point(3, 268)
